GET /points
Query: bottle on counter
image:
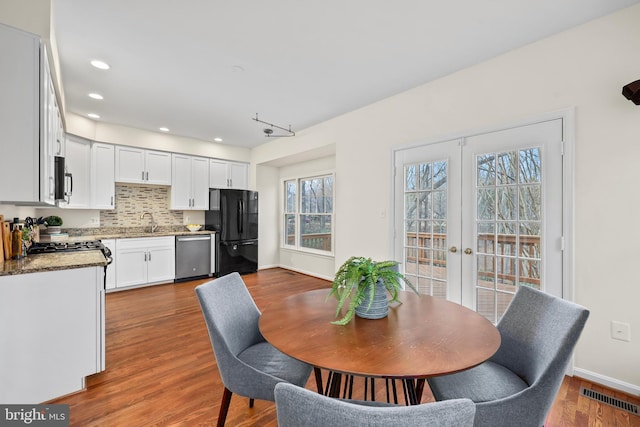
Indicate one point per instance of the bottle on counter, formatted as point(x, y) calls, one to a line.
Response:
point(16, 239)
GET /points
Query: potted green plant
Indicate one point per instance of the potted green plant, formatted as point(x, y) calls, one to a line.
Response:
point(53, 223)
point(364, 283)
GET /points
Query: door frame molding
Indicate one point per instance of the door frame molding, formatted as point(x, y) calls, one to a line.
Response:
point(568, 176)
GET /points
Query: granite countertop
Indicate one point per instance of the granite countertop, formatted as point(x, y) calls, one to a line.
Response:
point(52, 261)
point(79, 259)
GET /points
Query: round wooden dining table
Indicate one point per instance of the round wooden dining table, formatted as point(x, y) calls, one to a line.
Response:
point(421, 337)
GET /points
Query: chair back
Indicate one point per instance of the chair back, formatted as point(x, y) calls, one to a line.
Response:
point(297, 406)
point(232, 319)
point(539, 332)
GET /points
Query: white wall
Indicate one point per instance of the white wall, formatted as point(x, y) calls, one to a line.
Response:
point(585, 67)
point(266, 179)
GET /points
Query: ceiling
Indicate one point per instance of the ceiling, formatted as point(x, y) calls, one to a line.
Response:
point(205, 68)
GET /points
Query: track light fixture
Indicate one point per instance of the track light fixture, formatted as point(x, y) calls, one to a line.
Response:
point(269, 132)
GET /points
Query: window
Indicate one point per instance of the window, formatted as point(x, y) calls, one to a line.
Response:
point(308, 213)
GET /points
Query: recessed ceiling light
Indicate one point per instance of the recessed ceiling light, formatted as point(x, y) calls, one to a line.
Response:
point(217, 139)
point(100, 64)
point(96, 96)
point(93, 115)
point(164, 129)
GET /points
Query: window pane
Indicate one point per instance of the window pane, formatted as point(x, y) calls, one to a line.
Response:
point(410, 206)
point(486, 170)
point(290, 229)
point(328, 194)
point(425, 176)
point(440, 175)
point(530, 166)
point(291, 190)
point(507, 202)
point(507, 168)
point(315, 232)
point(410, 178)
point(313, 194)
point(486, 204)
point(530, 202)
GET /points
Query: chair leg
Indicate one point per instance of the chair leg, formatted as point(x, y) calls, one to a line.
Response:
point(251, 403)
point(224, 407)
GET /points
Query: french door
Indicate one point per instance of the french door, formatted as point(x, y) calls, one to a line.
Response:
point(479, 216)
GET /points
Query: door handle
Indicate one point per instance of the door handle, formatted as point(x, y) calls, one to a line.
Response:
point(453, 249)
point(468, 251)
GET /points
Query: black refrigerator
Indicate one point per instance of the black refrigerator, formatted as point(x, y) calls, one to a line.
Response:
point(233, 214)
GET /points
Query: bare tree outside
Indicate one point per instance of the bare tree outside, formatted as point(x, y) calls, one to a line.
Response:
point(508, 226)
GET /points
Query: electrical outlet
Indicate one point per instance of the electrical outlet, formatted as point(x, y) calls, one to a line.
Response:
point(95, 220)
point(620, 331)
point(187, 220)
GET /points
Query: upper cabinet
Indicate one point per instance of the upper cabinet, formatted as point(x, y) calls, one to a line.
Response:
point(139, 166)
point(30, 120)
point(103, 183)
point(77, 173)
point(223, 174)
point(190, 186)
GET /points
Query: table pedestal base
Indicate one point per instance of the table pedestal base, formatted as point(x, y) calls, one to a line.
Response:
point(411, 388)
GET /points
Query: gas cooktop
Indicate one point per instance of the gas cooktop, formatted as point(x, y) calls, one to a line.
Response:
point(48, 247)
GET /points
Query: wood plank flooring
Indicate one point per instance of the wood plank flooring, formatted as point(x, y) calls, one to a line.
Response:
point(161, 370)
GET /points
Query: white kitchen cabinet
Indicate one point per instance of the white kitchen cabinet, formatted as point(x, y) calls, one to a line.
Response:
point(103, 183)
point(190, 182)
point(29, 118)
point(110, 281)
point(224, 174)
point(139, 166)
point(52, 330)
point(78, 166)
point(145, 261)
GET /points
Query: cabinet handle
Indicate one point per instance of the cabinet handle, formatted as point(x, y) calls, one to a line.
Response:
point(147, 175)
point(145, 257)
point(149, 256)
point(143, 175)
point(111, 200)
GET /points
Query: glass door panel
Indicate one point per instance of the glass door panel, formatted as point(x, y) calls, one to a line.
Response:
point(425, 202)
point(518, 214)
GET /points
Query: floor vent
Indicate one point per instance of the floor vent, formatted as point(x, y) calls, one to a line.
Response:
point(620, 404)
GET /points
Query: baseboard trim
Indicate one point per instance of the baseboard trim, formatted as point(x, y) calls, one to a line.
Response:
point(308, 273)
point(616, 384)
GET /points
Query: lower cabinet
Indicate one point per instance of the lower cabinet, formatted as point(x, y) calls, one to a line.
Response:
point(145, 261)
point(52, 333)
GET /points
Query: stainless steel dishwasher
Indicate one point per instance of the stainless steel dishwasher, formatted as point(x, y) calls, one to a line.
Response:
point(193, 256)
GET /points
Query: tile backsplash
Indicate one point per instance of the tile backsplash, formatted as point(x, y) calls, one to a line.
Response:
point(132, 200)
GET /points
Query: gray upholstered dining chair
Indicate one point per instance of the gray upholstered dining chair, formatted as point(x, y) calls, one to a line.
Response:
point(299, 407)
point(519, 383)
point(249, 366)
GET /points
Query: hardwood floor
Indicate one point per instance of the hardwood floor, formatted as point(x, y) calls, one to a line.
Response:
point(161, 370)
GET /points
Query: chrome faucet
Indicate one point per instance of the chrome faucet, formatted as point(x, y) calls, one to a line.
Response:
point(153, 223)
